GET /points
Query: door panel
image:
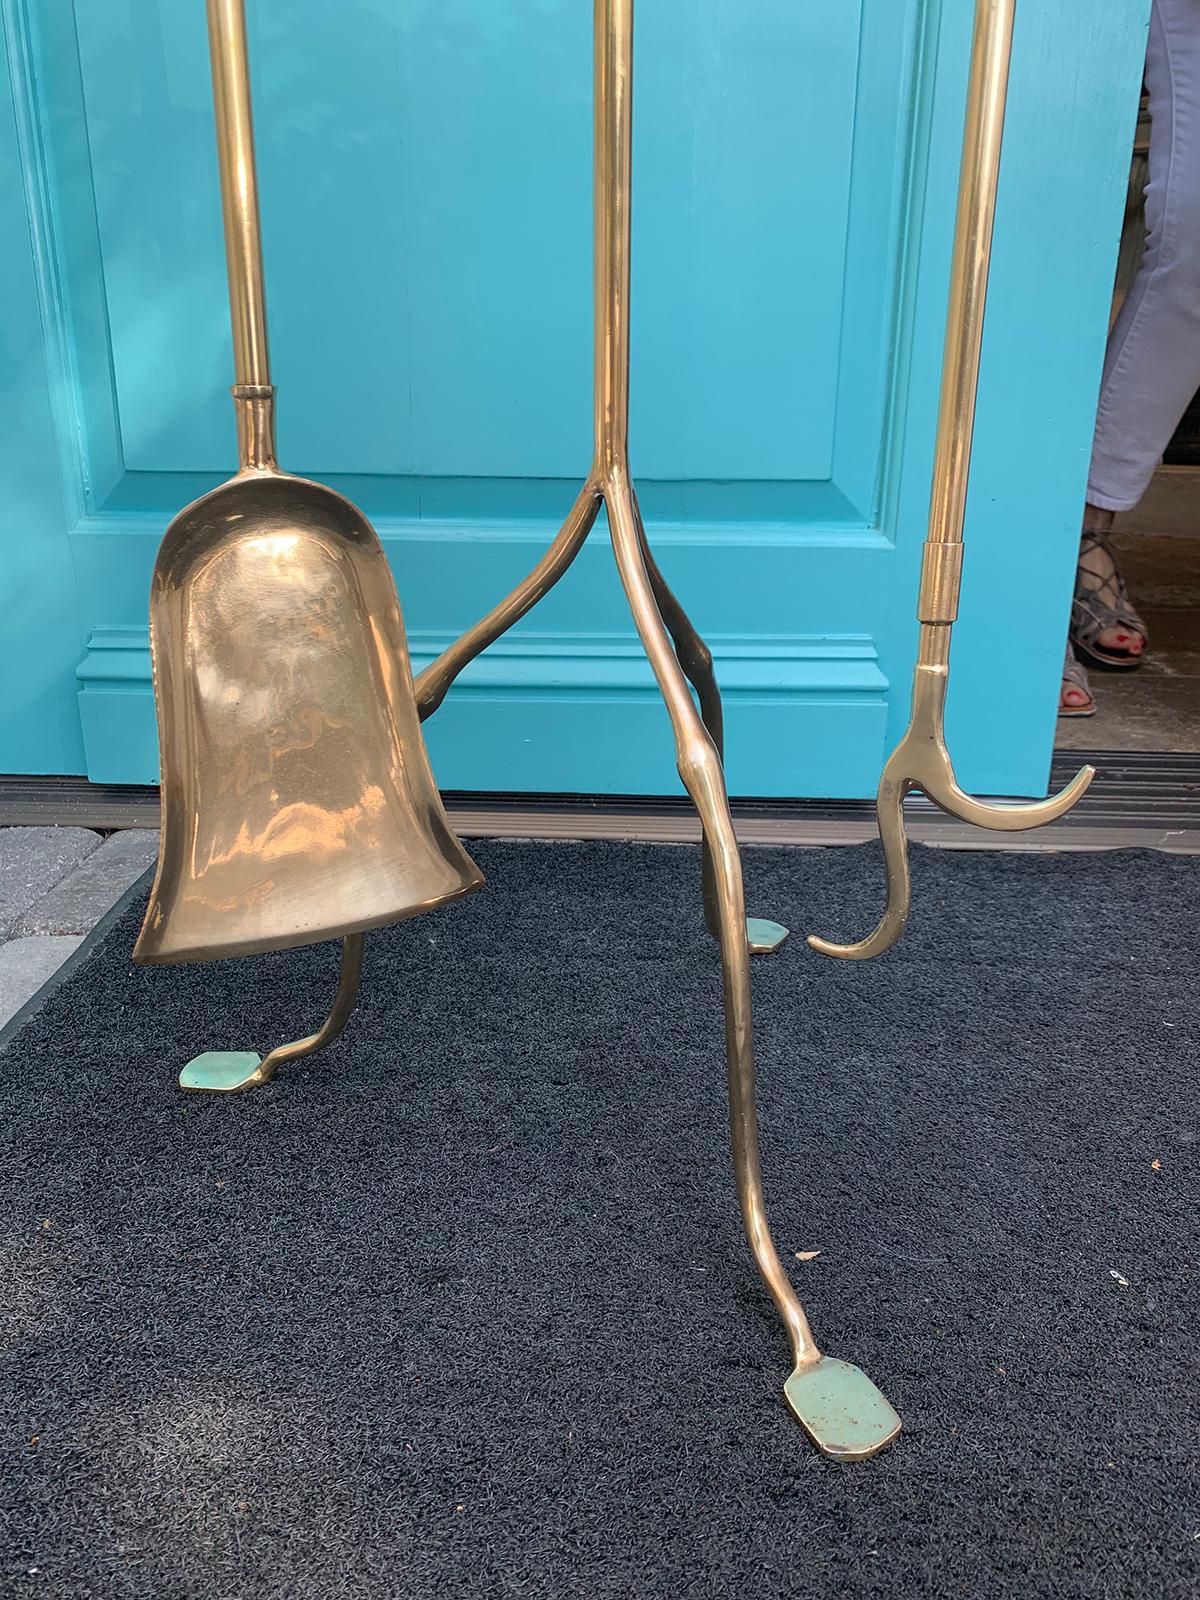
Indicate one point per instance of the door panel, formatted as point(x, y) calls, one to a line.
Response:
point(427, 214)
point(40, 633)
point(426, 194)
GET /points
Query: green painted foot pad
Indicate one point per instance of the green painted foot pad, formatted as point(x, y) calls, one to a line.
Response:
point(764, 935)
point(221, 1071)
point(841, 1410)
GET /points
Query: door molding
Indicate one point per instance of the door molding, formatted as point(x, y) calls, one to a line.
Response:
point(543, 710)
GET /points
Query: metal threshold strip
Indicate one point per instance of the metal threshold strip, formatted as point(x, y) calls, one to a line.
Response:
point(1145, 800)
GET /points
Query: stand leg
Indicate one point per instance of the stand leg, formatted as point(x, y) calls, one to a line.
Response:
point(226, 1071)
point(695, 658)
point(433, 684)
point(700, 769)
point(841, 1409)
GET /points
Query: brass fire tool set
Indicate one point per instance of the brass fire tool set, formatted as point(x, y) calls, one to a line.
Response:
point(298, 801)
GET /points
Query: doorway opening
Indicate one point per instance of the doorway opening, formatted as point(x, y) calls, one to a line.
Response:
point(1155, 707)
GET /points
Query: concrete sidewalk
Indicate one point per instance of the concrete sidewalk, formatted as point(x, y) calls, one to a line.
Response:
point(55, 885)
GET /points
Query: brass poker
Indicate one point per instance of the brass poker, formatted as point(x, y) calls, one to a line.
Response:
point(921, 760)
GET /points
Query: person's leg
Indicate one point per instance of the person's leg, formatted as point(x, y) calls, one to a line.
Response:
point(1152, 364)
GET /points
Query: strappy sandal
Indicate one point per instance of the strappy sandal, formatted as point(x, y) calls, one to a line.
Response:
point(1074, 676)
point(1101, 603)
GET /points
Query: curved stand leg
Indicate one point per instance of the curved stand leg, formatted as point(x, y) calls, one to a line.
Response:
point(227, 1071)
point(433, 684)
point(839, 1406)
point(696, 660)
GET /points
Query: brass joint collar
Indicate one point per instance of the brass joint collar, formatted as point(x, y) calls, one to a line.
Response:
point(254, 407)
point(941, 576)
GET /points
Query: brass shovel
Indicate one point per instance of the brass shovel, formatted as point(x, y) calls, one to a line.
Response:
point(298, 802)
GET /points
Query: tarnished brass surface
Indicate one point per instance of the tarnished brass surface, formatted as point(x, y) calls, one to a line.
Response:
point(763, 934)
point(297, 799)
point(228, 1071)
point(841, 1410)
point(921, 759)
point(678, 657)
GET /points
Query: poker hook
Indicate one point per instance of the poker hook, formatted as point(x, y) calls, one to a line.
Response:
point(921, 760)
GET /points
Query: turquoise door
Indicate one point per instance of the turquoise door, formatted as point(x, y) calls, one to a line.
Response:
point(425, 170)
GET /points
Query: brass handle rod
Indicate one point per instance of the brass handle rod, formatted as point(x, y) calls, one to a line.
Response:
point(253, 394)
point(921, 760)
point(979, 179)
point(612, 187)
point(611, 175)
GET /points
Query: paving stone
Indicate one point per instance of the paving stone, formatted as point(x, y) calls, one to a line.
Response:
point(32, 861)
point(77, 902)
point(25, 964)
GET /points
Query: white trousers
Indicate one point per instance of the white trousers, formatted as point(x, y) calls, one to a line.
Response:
point(1152, 365)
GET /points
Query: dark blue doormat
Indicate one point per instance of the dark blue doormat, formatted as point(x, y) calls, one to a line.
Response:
point(462, 1307)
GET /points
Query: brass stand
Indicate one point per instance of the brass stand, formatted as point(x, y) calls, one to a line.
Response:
point(921, 759)
point(842, 1410)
